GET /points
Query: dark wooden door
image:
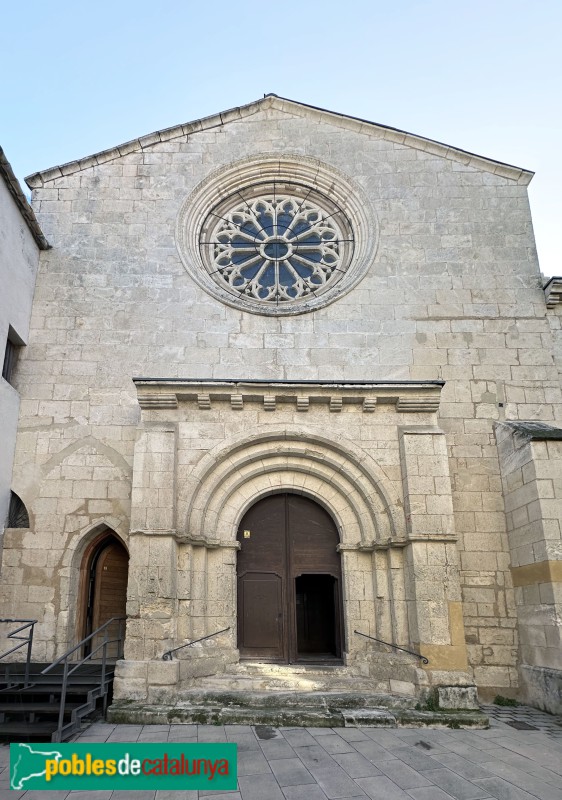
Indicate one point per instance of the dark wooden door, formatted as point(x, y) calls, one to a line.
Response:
point(110, 584)
point(108, 590)
point(289, 574)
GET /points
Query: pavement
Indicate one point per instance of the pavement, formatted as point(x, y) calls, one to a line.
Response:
point(518, 758)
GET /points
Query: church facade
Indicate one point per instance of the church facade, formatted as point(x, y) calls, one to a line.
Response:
point(292, 382)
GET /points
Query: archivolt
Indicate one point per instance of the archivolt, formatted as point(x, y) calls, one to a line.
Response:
point(338, 475)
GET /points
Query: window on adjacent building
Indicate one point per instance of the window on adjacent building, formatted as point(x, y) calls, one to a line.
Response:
point(13, 343)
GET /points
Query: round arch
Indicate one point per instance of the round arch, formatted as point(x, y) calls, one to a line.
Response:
point(339, 476)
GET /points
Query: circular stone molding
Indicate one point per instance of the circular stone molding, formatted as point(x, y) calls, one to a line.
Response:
point(277, 236)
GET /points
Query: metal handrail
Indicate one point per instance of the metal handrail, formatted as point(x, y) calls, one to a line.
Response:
point(28, 639)
point(83, 642)
point(424, 660)
point(169, 654)
point(67, 672)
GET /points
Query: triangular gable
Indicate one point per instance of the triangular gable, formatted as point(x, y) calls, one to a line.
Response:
point(295, 108)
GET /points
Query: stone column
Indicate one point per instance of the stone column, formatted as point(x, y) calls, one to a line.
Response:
point(431, 569)
point(152, 591)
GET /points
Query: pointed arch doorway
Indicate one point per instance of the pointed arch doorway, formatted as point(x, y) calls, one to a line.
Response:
point(289, 582)
point(105, 567)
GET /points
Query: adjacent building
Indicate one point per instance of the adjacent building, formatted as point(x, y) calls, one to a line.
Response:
point(21, 241)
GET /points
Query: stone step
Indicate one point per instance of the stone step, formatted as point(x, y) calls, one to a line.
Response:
point(294, 699)
point(298, 683)
point(297, 716)
point(259, 676)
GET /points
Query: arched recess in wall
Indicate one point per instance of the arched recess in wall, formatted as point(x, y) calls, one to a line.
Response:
point(102, 588)
point(339, 476)
point(18, 516)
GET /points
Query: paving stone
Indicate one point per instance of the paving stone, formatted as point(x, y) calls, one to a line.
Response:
point(259, 787)
point(335, 783)
point(335, 744)
point(291, 772)
point(382, 788)
point(385, 739)
point(180, 731)
point(464, 768)
point(455, 785)
point(300, 737)
point(352, 734)
point(522, 780)
point(244, 741)
point(252, 763)
point(497, 787)
point(403, 776)
point(305, 792)
point(211, 733)
point(94, 794)
point(498, 754)
point(331, 778)
point(314, 756)
point(467, 751)
point(373, 751)
point(276, 748)
point(356, 765)
point(222, 795)
point(320, 731)
point(429, 793)
point(235, 730)
point(417, 759)
point(545, 759)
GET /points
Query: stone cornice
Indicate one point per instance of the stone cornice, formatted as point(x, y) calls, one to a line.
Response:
point(184, 538)
point(406, 396)
point(283, 104)
point(388, 544)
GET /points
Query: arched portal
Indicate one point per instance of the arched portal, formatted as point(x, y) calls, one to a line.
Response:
point(104, 574)
point(289, 582)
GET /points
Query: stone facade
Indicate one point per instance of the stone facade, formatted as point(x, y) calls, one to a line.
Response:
point(380, 403)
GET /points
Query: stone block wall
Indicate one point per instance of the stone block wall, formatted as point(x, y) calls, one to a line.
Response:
point(531, 461)
point(452, 294)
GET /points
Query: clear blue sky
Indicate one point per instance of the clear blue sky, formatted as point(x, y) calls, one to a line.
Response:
point(484, 76)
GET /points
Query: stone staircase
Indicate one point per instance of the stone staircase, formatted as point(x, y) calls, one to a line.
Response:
point(290, 696)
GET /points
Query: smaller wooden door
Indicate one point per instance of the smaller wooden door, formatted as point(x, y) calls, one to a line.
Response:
point(262, 570)
point(110, 584)
point(106, 591)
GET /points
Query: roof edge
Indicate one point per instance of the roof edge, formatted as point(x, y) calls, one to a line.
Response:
point(500, 168)
point(532, 430)
point(20, 200)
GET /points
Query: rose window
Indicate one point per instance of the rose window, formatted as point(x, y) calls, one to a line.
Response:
point(276, 243)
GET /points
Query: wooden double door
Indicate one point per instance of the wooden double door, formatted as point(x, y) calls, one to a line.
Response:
point(289, 582)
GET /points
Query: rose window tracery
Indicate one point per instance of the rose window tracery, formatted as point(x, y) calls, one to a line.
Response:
point(276, 243)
